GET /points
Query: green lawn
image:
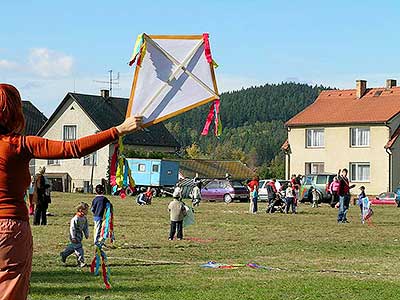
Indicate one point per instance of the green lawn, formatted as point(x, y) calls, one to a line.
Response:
point(313, 257)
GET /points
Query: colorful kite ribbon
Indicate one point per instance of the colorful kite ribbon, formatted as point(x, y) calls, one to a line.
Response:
point(207, 50)
point(138, 51)
point(120, 173)
point(213, 114)
point(99, 261)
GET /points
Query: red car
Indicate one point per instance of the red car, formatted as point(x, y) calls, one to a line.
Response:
point(388, 198)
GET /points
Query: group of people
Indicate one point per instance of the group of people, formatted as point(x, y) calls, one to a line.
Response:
point(79, 226)
point(284, 198)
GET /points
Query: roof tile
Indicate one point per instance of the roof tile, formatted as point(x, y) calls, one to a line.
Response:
point(378, 105)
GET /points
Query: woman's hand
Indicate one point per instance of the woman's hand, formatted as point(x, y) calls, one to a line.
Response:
point(131, 124)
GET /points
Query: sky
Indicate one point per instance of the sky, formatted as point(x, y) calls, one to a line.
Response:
point(49, 48)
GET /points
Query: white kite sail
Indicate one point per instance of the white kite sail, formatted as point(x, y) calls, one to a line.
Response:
point(174, 73)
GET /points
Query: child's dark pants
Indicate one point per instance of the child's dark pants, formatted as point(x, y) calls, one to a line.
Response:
point(176, 226)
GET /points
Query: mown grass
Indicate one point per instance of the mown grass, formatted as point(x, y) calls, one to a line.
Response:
point(312, 256)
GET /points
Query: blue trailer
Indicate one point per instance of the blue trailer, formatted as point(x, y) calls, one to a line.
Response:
point(155, 173)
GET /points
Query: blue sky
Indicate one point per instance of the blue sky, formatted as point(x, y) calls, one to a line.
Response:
point(48, 48)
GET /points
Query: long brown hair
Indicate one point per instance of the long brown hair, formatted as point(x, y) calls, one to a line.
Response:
point(11, 116)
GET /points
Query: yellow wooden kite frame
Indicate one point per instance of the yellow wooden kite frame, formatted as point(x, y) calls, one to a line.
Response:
point(171, 115)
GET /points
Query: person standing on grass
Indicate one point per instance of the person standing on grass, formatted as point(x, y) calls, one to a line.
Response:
point(361, 196)
point(295, 183)
point(177, 212)
point(344, 196)
point(271, 192)
point(196, 194)
point(99, 204)
point(253, 187)
point(41, 198)
point(315, 197)
point(289, 197)
point(16, 151)
point(333, 189)
point(78, 227)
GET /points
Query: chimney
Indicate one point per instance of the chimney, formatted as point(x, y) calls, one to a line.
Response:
point(105, 93)
point(361, 88)
point(390, 83)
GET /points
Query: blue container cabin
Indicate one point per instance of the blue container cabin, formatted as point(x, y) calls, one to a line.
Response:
point(155, 173)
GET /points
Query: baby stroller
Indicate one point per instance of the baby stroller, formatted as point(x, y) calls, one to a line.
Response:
point(277, 204)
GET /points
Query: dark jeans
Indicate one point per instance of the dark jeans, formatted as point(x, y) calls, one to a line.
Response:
point(176, 226)
point(290, 202)
point(255, 204)
point(40, 215)
point(344, 203)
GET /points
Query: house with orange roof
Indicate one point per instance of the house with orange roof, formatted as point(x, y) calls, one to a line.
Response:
point(356, 129)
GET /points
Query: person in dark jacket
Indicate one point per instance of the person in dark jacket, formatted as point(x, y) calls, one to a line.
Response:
point(344, 195)
point(41, 198)
point(98, 207)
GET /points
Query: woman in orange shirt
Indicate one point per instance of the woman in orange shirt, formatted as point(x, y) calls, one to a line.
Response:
point(16, 151)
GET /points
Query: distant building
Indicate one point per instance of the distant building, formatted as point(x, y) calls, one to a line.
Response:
point(357, 129)
point(79, 115)
point(34, 120)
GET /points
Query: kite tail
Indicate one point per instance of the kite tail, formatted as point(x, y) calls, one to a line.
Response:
point(207, 50)
point(120, 173)
point(138, 51)
point(107, 227)
point(105, 270)
point(213, 113)
point(95, 265)
point(113, 166)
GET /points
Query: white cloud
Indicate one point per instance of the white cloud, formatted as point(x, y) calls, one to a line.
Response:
point(49, 63)
point(8, 65)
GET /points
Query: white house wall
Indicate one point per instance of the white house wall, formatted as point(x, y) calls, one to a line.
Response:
point(337, 154)
point(74, 167)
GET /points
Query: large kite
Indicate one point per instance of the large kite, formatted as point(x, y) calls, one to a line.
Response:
point(174, 74)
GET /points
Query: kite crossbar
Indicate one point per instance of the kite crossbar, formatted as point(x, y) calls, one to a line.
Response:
point(181, 66)
point(177, 63)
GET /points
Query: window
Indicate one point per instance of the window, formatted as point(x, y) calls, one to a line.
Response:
point(322, 179)
point(141, 167)
point(90, 160)
point(69, 132)
point(360, 172)
point(308, 180)
point(53, 162)
point(156, 168)
point(315, 138)
point(213, 185)
point(359, 137)
point(314, 168)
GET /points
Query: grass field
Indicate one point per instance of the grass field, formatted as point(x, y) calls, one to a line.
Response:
point(314, 257)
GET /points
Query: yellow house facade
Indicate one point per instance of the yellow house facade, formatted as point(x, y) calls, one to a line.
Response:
point(352, 129)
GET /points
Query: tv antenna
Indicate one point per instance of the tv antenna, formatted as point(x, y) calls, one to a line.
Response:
point(112, 80)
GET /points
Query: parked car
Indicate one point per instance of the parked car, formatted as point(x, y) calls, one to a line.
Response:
point(224, 190)
point(387, 198)
point(321, 182)
point(263, 192)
